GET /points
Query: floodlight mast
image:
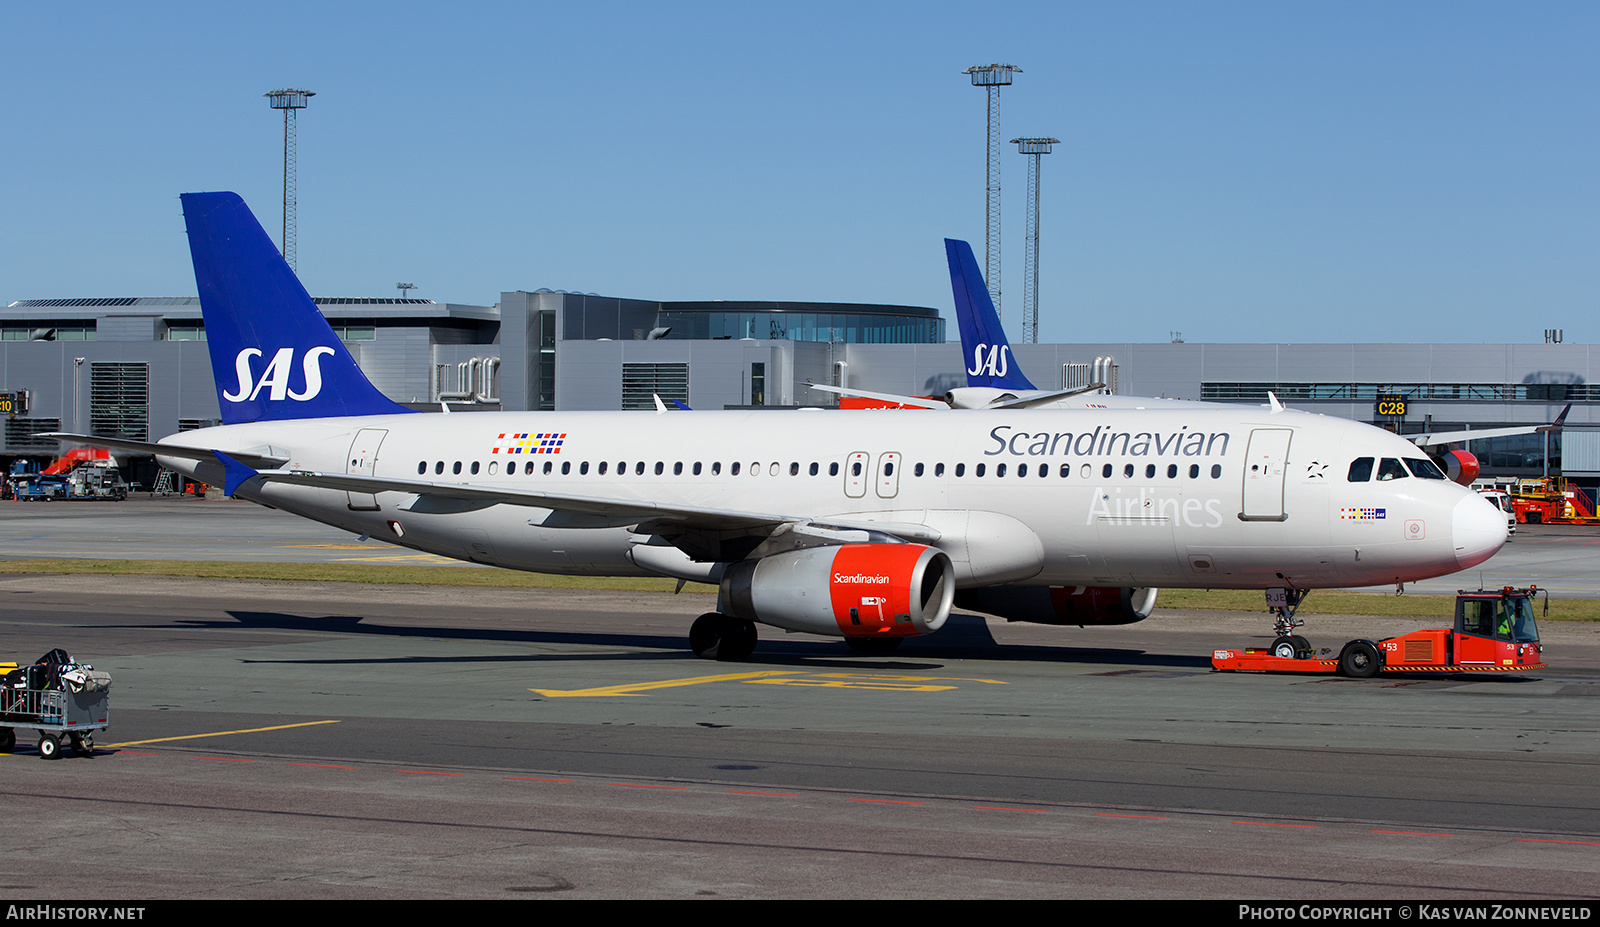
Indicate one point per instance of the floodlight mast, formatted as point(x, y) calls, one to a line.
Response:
point(1033, 148)
point(992, 77)
point(290, 101)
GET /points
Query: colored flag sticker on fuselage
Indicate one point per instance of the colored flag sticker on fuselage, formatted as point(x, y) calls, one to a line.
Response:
point(529, 443)
point(1362, 514)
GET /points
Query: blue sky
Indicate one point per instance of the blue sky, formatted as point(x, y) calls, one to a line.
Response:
point(1234, 171)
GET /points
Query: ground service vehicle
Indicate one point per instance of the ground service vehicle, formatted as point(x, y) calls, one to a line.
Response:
point(1494, 632)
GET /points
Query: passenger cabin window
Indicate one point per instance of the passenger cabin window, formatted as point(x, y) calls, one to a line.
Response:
point(1361, 470)
point(1391, 469)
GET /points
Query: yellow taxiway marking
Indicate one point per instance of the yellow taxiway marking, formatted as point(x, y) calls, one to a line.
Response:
point(253, 730)
point(880, 681)
point(635, 688)
point(328, 547)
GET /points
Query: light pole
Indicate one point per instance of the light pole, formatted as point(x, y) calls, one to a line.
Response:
point(290, 101)
point(1033, 148)
point(991, 77)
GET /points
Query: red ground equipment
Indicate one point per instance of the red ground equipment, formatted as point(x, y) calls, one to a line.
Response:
point(1552, 501)
point(1494, 632)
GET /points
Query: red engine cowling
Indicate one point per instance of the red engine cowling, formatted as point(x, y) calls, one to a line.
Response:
point(857, 590)
point(1460, 466)
point(1079, 605)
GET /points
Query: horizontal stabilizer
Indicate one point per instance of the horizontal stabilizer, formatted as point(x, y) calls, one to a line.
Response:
point(261, 458)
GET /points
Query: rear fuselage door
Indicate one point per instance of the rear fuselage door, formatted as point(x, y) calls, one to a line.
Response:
point(363, 461)
point(1264, 467)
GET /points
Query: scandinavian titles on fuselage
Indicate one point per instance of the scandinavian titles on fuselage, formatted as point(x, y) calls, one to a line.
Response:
point(1104, 442)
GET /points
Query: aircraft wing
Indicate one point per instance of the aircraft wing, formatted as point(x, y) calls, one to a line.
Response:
point(921, 402)
point(1455, 437)
point(600, 511)
point(1045, 397)
point(260, 457)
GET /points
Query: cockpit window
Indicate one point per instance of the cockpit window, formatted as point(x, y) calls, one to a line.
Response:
point(1361, 469)
point(1391, 469)
point(1424, 469)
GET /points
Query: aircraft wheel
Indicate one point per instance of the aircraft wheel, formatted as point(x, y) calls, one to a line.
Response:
point(873, 646)
point(49, 747)
point(1285, 648)
point(1301, 645)
point(715, 636)
point(743, 636)
point(705, 636)
point(1359, 660)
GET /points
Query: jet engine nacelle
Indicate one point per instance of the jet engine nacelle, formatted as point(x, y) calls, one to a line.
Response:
point(977, 397)
point(1460, 466)
point(857, 590)
point(1079, 605)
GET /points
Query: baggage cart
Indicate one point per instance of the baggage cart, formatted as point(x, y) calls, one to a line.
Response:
point(61, 716)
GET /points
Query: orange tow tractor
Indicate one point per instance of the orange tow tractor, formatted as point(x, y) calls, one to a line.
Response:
point(1494, 632)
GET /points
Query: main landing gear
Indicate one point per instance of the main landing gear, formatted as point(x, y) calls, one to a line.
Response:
point(715, 636)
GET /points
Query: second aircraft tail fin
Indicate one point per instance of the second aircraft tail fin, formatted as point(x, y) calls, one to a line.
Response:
point(984, 348)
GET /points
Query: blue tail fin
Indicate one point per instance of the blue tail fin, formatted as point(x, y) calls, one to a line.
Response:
point(273, 355)
point(983, 342)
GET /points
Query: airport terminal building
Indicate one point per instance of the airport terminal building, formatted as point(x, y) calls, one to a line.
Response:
point(138, 367)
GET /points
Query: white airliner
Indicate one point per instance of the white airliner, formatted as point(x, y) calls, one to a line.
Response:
point(856, 524)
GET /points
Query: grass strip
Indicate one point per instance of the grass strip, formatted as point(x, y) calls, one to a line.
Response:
point(1320, 602)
